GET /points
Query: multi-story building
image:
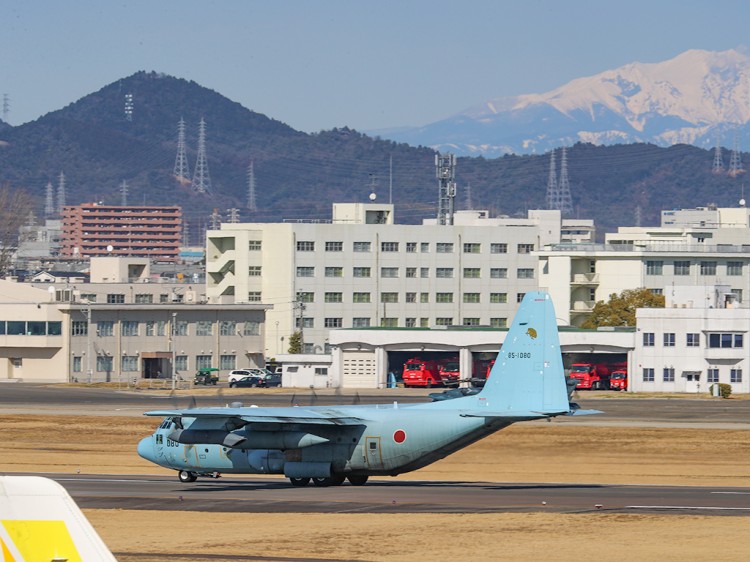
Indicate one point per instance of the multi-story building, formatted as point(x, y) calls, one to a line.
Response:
point(362, 270)
point(700, 247)
point(699, 339)
point(124, 325)
point(94, 229)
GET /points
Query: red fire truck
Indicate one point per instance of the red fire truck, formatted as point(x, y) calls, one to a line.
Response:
point(421, 372)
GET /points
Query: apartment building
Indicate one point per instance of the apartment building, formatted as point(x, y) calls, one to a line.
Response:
point(94, 229)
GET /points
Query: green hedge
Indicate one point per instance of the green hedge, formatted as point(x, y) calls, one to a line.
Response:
point(725, 390)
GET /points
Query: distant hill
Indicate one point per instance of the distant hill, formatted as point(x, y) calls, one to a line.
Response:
point(299, 176)
point(694, 98)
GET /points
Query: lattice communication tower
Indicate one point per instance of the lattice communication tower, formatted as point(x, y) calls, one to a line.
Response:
point(445, 170)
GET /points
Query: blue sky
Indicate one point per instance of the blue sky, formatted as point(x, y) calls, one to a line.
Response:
point(368, 65)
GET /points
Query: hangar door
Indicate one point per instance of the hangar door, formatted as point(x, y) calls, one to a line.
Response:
point(358, 370)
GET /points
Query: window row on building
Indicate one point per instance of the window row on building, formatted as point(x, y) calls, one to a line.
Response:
point(693, 339)
point(363, 297)
point(131, 363)
point(409, 272)
point(409, 247)
point(105, 328)
point(396, 322)
point(30, 328)
point(713, 375)
point(684, 267)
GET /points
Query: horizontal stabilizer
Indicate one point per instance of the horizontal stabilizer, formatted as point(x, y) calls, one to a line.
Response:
point(583, 412)
point(510, 415)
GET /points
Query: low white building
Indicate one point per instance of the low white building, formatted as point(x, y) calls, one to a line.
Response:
point(699, 339)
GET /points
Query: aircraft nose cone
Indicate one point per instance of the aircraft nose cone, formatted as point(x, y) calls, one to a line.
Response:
point(146, 448)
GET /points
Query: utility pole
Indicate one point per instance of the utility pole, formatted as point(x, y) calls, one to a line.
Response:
point(87, 312)
point(173, 348)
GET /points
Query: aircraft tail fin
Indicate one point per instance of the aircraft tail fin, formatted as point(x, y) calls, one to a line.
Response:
point(40, 521)
point(528, 373)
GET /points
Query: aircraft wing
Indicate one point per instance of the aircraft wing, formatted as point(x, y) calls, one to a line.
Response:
point(323, 416)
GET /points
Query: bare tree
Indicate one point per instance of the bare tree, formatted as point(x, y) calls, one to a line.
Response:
point(15, 205)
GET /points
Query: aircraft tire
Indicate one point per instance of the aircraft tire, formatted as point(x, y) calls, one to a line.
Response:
point(356, 480)
point(335, 480)
point(186, 476)
point(299, 482)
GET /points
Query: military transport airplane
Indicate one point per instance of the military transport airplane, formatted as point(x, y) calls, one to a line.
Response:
point(330, 444)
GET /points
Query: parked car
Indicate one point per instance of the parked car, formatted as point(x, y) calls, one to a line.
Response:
point(251, 381)
point(237, 374)
point(272, 380)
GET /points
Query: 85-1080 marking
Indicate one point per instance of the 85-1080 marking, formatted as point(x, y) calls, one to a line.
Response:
point(514, 355)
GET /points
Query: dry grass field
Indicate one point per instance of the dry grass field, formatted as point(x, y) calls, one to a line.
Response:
point(533, 452)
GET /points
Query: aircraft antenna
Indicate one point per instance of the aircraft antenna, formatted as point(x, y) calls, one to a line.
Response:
point(201, 179)
point(181, 166)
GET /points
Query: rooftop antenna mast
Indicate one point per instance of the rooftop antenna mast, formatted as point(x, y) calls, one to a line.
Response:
point(718, 167)
point(251, 204)
point(181, 166)
point(445, 170)
point(201, 179)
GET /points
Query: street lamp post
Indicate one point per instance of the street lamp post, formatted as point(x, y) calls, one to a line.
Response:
point(173, 348)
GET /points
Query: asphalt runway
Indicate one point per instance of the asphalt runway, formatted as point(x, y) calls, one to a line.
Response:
point(276, 495)
point(250, 495)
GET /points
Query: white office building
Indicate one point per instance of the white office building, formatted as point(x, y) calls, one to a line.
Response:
point(699, 339)
point(362, 270)
point(698, 247)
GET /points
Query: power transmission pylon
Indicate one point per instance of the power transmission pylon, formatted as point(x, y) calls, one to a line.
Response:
point(215, 220)
point(185, 232)
point(128, 107)
point(181, 166)
point(468, 201)
point(735, 161)
point(124, 193)
point(6, 107)
point(552, 192)
point(233, 215)
point(49, 200)
point(60, 193)
point(251, 204)
point(201, 179)
point(445, 170)
point(718, 166)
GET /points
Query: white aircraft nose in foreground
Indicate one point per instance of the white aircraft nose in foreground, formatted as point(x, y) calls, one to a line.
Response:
point(330, 444)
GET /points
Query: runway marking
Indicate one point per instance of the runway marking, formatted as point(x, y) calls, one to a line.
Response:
point(691, 507)
point(733, 493)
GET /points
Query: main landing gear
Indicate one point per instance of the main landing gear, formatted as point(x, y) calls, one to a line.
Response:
point(187, 476)
point(335, 480)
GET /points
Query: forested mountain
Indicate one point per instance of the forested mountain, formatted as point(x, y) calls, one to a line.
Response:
point(298, 175)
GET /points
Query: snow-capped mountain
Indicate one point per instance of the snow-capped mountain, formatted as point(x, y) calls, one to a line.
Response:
point(694, 98)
